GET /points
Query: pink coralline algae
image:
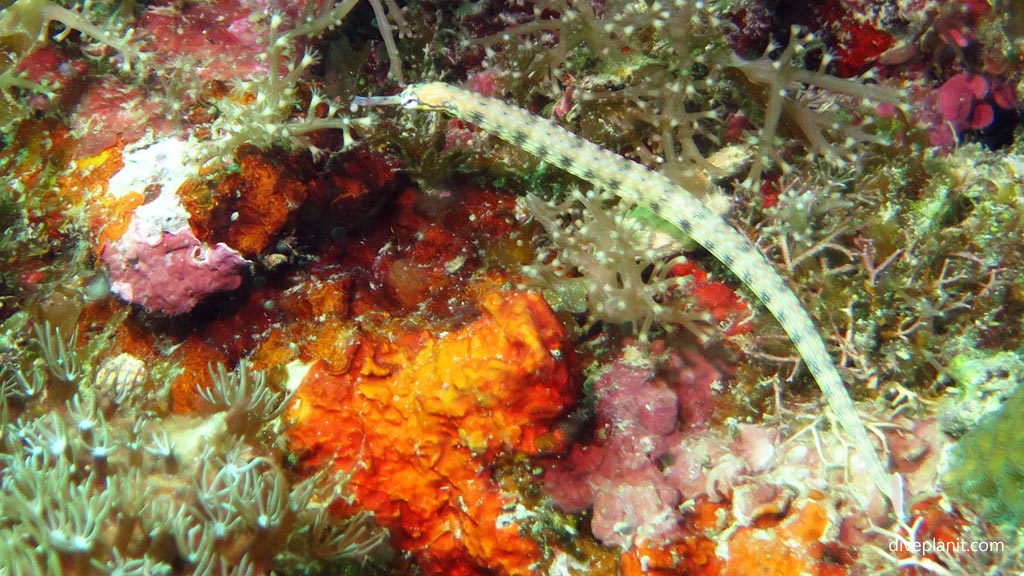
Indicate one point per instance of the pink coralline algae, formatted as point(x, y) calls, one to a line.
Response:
point(169, 273)
point(654, 448)
point(638, 418)
point(968, 102)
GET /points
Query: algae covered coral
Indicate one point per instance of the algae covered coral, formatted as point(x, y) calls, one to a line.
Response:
point(498, 382)
point(985, 467)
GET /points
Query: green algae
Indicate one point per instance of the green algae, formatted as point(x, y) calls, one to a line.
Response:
point(986, 468)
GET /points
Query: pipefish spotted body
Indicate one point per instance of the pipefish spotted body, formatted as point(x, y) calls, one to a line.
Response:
point(636, 184)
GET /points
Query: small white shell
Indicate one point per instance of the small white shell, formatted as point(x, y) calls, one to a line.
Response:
point(120, 375)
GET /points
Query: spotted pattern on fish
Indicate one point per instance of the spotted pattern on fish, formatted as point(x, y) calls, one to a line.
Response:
point(635, 183)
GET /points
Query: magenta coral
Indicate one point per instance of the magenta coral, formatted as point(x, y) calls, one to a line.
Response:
point(968, 102)
point(961, 102)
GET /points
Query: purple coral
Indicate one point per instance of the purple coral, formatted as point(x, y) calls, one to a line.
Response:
point(170, 272)
point(638, 418)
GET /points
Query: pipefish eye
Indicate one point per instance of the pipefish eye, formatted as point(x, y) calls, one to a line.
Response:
point(410, 100)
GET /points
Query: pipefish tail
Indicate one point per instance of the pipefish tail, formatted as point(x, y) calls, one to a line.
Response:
point(635, 183)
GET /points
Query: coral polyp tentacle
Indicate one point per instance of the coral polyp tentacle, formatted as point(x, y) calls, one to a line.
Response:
point(674, 204)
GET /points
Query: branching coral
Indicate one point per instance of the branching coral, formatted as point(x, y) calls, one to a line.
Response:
point(259, 110)
point(592, 59)
point(604, 261)
point(262, 109)
point(24, 26)
point(684, 101)
point(25, 23)
point(797, 94)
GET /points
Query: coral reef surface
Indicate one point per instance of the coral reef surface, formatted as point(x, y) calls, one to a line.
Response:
point(253, 324)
